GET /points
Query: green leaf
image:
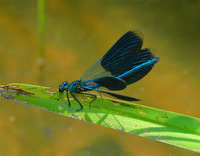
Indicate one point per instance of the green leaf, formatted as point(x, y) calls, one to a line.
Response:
point(164, 126)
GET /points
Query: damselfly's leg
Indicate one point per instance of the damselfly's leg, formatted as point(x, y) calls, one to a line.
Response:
point(67, 99)
point(78, 102)
point(94, 98)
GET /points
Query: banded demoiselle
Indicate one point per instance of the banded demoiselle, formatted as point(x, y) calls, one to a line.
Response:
point(124, 63)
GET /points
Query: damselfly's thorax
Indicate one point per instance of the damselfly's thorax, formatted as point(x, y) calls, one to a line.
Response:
point(76, 87)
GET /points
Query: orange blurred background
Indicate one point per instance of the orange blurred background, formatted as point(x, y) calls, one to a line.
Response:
point(78, 33)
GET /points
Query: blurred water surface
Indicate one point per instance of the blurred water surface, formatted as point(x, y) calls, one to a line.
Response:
point(78, 33)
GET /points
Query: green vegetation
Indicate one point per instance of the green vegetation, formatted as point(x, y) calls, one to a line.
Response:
point(164, 126)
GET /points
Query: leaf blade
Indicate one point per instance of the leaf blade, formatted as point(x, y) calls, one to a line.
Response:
point(164, 126)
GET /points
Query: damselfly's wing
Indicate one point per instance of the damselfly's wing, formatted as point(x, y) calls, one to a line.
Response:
point(141, 66)
point(123, 53)
point(95, 71)
point(106, 66)
point(125, 60)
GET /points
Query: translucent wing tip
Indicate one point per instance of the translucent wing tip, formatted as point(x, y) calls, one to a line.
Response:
point(137, 33)
point(153, 53)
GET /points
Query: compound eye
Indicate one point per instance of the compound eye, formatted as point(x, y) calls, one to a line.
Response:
point(61, 89)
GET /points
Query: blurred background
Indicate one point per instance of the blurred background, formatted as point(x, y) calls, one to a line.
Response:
point(77, 34)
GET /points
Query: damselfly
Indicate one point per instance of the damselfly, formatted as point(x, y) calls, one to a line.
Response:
point(125, 63)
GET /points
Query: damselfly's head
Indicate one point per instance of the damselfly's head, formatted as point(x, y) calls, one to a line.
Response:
point(64, 86)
